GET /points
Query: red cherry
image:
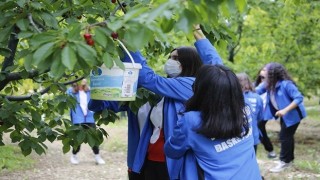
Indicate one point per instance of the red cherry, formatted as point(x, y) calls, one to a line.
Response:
point(113, 1)
point(87, 36)
point(114, 35)
point(90, 42)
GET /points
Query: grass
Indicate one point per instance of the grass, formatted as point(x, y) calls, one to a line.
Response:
point(11, 159)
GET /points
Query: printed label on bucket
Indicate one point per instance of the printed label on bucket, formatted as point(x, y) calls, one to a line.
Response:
point(114, 84)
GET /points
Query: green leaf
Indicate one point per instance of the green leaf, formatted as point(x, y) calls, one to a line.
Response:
point(39, 150)
point(187, 19)
point(74, 34)
point(42, 38)
point(23, 24)
point(21, 3)
point(167, 25)
point(138, 36)
point(100, 37)
point(119, 63)
point(66, 148)
point(5, 33)
point(36, 116)
point(5, 52)
point(107, 60)
point(80, 136)
point(241, 4)
point(91, 140)
point(26, 151)
point(49, 20)
point(57, 69)
point(43, 52)
point(28, 62)
point(51, 137)
point(87, 53)
point(68, 57)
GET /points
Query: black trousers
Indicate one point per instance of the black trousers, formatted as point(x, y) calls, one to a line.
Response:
point(95, 149)
point(264, 136)
point(135, 176)
point(155, 170)
point(287, 141)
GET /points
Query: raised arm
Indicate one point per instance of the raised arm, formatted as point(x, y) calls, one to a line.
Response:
point(178, 88)
point(260, 89)
point(207, 52)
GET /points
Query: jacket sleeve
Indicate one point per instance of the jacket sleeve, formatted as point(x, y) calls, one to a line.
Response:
point(207, 52)
point(177, 88)
point(260, 89)
point(99, 105)
point(259, 108)
point(177, 144)
point(293, 93)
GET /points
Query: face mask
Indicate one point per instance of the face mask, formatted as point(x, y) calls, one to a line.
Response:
point(172, 68)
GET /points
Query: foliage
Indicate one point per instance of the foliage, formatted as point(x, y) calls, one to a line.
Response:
point(283, 31)
point(43, 42)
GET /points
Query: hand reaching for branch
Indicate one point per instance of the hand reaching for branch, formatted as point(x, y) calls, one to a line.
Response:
point(197, 32)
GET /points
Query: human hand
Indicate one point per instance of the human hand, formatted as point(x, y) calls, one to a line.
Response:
point(197, 32)
point(281, 113)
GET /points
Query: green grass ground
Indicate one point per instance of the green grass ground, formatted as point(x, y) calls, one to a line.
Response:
point(11, 159)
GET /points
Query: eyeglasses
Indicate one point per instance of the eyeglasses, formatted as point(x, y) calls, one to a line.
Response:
point(74, 85)
point(262, 77)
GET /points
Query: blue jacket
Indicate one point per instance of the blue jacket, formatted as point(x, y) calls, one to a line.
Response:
point(176, 92)
point(133, 127)
point(285, 93)
point(256, 104)
point(76, 115)
point(219, 158)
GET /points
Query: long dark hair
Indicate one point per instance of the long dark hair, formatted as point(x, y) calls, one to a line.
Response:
point(189, 59)
point(276, 72)
point(218, 96)
point(258, 79)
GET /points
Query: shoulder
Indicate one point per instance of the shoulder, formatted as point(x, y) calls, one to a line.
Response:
point(190, 119)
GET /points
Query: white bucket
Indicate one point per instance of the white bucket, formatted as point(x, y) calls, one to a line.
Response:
point(115, 84)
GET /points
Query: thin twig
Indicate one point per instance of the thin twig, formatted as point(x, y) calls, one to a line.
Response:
point(32, 23)
point(122, 8)
point(28, 97)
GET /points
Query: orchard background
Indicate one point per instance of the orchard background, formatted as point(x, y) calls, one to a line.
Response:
point(46, 45)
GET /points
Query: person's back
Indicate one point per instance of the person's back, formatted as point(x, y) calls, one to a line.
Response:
point(218, 136)
point(232, 158)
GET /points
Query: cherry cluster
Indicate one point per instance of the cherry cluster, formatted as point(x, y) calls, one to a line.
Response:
point(88, 38)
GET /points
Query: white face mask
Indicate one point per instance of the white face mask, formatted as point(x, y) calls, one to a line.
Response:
point(172, 68)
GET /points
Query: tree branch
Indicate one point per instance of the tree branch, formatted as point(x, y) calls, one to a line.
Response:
point(28, 97)
point(32, 23)
point(8, 61)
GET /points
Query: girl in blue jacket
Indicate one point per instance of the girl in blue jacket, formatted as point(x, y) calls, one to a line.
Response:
point(256, 105)
point(285, 101)
point(149, 129)
point(216, 129)
point(82, 116)
point(264, 138)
